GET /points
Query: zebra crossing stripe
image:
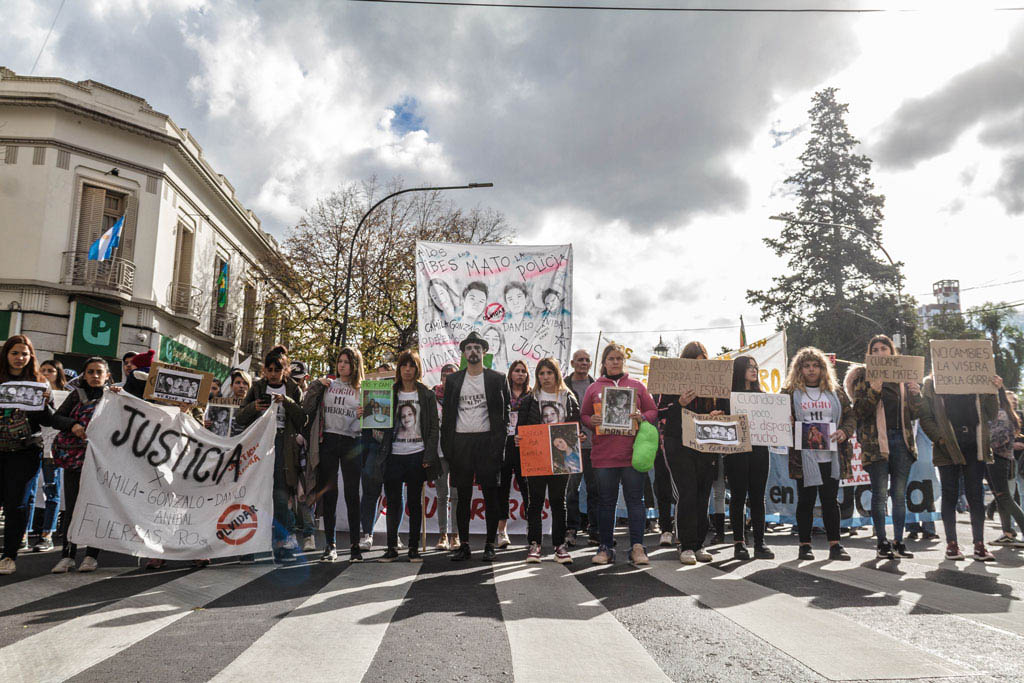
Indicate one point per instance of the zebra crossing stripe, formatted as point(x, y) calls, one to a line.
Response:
point(60, 652)
point(338, 616)
point(545, 608)
point(761, 610)
point(28, 591)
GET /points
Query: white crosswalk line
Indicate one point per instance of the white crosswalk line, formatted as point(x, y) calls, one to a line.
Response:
point(25, 592)
point(551, 618)
point(347, 617)
point(797, 629)
point(73, 646)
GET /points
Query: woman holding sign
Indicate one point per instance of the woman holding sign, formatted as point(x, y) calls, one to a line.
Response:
point(612, 457)
point(21, 443)
point(747, 474)
point(888, 448)
point(693, 473)
point(550, 402)
point(333, 408)
point(518, 390)
point(409, 452)
point(822, 405)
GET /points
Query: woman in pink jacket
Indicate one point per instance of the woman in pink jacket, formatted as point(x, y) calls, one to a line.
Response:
point(612, 457)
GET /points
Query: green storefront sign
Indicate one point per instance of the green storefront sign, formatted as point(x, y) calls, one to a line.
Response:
point(95, 332)
point(5, 324)
point(179, 354)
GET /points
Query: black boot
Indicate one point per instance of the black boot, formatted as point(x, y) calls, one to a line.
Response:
point(488, 553)
point(461, 554)
point(718, 523)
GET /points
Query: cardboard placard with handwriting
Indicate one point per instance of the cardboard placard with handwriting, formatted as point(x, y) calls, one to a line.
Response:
point(716, 433)
point(709, 378)
point(963, 366)
point(770, 417)
point(177, 385)
point(894, 368)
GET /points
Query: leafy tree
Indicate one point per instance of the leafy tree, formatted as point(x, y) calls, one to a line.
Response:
point(838, 291)
point(382, 308)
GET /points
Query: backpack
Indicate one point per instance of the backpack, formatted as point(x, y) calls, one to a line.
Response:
point(15, 430)
point(68, 449)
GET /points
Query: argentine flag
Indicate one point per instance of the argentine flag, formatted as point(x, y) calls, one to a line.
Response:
point(103, 248)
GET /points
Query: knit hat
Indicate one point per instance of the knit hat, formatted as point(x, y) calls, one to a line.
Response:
point(142, 361)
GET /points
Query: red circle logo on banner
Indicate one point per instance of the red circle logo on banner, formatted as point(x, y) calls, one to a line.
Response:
point(494, 313)
point(237, 524)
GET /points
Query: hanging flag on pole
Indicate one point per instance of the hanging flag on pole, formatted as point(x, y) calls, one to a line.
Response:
point(743, 333)
point(222, 286)
point(103, 248)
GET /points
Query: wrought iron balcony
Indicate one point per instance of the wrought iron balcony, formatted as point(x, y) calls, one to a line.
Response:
point(114, 275)
point(223, 325)
point(185, 300)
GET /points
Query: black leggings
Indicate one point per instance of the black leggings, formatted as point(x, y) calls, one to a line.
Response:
point(805, 497)
point(465, 506)
point(509, 468)
point(408, 470)
point(17, 469)
point(747, 475)
point(554, 485)
point(72, 485)
point(663, 492)
point(693, 474)
point(339, 451)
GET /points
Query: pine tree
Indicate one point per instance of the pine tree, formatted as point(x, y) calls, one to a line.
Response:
point(840, 289)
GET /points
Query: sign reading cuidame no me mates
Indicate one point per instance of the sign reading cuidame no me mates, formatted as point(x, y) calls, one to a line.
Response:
point(156, 484)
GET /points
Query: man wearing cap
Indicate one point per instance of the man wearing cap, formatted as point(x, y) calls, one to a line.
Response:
point(474, 441)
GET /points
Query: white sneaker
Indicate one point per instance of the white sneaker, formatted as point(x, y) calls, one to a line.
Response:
point(703, 555)
point(7, 566)
point(89, 564)
point(366, 542)
point(65, 565)
point(290, 543)
point(309, 544)
point(400, 546)
point(687, 557)
point(503, 540)
point(666, 539)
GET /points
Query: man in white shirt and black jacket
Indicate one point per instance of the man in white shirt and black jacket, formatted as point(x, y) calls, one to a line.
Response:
point(473, 431)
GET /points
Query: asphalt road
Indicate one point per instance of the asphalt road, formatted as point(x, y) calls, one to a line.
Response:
point(780, 620)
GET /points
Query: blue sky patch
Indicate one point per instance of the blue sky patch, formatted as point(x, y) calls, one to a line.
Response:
point(407, 118)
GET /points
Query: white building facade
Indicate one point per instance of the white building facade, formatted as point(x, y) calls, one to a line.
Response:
point(193, 275)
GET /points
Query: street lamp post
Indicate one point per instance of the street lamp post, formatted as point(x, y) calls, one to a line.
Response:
point(874, 240)
point(355, 234)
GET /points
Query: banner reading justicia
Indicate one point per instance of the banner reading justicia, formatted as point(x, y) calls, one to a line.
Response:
point(518, 298)
point(156, 484)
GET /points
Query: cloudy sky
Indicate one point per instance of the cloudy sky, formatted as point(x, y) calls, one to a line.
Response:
point(655, 142)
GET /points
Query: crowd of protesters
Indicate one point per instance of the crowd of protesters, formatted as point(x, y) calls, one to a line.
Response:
point(464, 433)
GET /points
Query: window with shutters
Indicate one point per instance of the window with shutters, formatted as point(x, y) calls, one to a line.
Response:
point(183, 297)
point(63, 159)
point(39, 156)
point(222, 324)
point(249, 319)
point(269, 325)
point(101, 208)
point(11, 154)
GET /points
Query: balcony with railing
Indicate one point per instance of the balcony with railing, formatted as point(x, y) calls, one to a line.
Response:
point(223, 325)
point(112, 276)
point(185, 300)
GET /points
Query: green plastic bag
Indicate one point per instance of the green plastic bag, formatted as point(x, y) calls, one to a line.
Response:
point(645, 447)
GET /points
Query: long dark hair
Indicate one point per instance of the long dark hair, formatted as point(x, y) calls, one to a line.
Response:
point(1011, 414)
point(31, 371)
point(740, 365)
point(355, 362)
point(884, 338)
point(511, 367)
point(694, 350)
point(62, 379)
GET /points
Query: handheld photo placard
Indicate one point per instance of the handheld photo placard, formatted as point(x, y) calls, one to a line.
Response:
point(716, 433)
point(375, 398)
point(547, 449)
point(617, 404)
point(178, 386)
point(221, 414)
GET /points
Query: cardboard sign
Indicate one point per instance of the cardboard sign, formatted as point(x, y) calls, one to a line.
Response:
point(963, 366)
point(550, 449)
point(177, 385)
point(894, 368)
point(770, 417)
point(716, 433)
point(375, 398)
point(709, 378)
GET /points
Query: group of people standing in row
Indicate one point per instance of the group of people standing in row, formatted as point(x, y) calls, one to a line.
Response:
point(464, 432)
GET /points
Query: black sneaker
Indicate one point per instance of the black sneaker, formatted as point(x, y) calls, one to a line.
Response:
point(284, 555)
point(838, 552)
point(805, 553)
point(900, 550)
point(740, 552)
point(913, 536)
point(355, 554)
point(330, 554)
point(488, 553)
point(885, 551)
point(390, 555)
point(763, 552)
point(461, 554)
point(414, 555)
point(930, 536)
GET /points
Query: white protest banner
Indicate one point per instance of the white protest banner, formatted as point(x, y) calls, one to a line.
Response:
point(770, 354)
point(769, 416)
point(156, 484)
point(885, 368)
point(518, 298)
point(963, 366)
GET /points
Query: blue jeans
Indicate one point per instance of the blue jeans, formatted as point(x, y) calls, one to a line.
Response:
point(51, 487)
point(608, 480)
point(889, 478)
